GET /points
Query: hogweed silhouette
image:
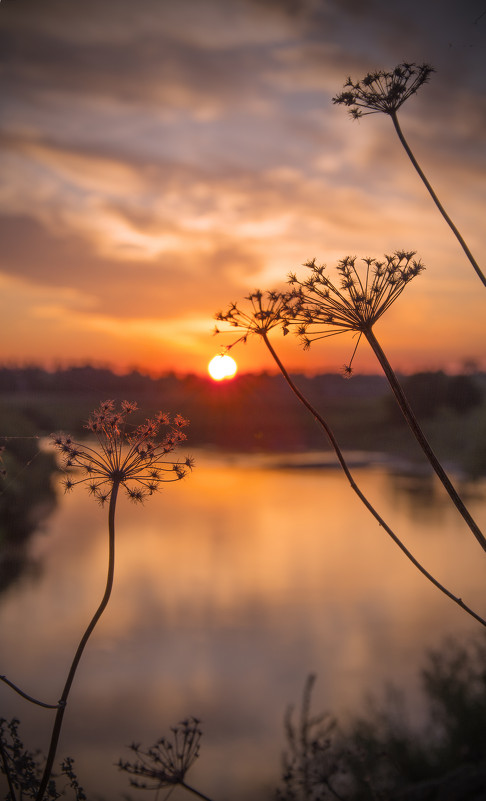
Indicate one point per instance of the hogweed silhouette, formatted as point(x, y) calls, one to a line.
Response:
point(166, 763)
point(268, 310)
point(319, 309)
point(133, 458)
point(386, 92)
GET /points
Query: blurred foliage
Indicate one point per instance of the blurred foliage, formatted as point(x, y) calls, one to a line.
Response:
point(27, 494)
point(383, 756)
point(429, 393)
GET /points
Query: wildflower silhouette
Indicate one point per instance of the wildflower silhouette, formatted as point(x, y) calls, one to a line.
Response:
point(167, 762)
point(128, 457)
point(386, 92)
point(134, 459)
point(266, 312)
point(320, 309)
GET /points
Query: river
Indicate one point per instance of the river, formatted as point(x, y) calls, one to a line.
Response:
point(230, 588)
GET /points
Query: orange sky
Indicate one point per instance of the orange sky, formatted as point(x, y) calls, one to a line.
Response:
point(160, 160)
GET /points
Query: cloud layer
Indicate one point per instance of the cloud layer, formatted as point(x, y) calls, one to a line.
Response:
point(163, 159)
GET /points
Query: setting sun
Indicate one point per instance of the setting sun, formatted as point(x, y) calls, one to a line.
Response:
point(222, 367)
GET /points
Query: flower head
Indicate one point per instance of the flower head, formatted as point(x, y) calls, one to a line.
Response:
point(167, 762)
point(383, 91)
point(131, 456)
point(320, 309)
point(265, 313)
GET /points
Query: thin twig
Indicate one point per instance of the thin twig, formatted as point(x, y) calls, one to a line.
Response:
point(27, 697)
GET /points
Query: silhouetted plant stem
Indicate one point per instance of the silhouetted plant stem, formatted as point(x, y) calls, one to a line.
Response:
point(320, 420)
point(26, 696)
point(193, 790)
point(82, 644)
point(412, 421)
point(434, 197)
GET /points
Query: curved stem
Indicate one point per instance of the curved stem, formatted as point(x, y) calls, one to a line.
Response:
point(358, 492)
point(436, 200)
point(419, 435)
point(82, 644)
point(26, 696)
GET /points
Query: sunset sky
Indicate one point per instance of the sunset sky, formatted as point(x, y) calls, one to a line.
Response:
point(161, 159)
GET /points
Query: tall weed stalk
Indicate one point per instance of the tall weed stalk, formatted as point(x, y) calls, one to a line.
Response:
point(268, 311)
point(133, 458)
point(386, 92)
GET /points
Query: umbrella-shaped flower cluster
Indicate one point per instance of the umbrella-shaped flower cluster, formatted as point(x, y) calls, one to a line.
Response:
point(264, 313)
point(383, 91)
point(166, 763)
point(130, 456)
point(320, 309)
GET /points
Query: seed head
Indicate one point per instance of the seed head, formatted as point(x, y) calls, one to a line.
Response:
point(132, 456)
point(383, 91)
point(166, 763)
point(265, 313)
point(318, 308)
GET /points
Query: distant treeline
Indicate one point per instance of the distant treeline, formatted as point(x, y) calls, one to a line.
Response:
point(249, 412)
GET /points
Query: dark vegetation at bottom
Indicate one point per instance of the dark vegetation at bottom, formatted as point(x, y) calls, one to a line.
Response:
point(382, 756)
point(379, 756)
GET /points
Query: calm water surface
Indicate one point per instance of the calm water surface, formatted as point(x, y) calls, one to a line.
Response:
point(230, 588)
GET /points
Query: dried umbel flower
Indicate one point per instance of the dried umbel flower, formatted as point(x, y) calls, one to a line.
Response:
point(321, 309)
point(383, 91)
point(387, 92)
point(362, 299)
point(166, 763)
point(128, 456)
point(133, 457)
point(265, 313)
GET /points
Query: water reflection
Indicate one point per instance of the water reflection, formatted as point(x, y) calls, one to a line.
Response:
point(230, 587)
point(27, 497)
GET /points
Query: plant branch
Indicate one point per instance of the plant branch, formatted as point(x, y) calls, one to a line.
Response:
point(434, 197)
point(27, 697)
point(82, 644)
point(412, 421)
point(320, 420)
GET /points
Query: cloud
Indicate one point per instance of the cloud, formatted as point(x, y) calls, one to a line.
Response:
point(164, 160)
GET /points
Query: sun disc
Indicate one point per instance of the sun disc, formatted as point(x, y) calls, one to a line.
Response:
point(222, 367)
